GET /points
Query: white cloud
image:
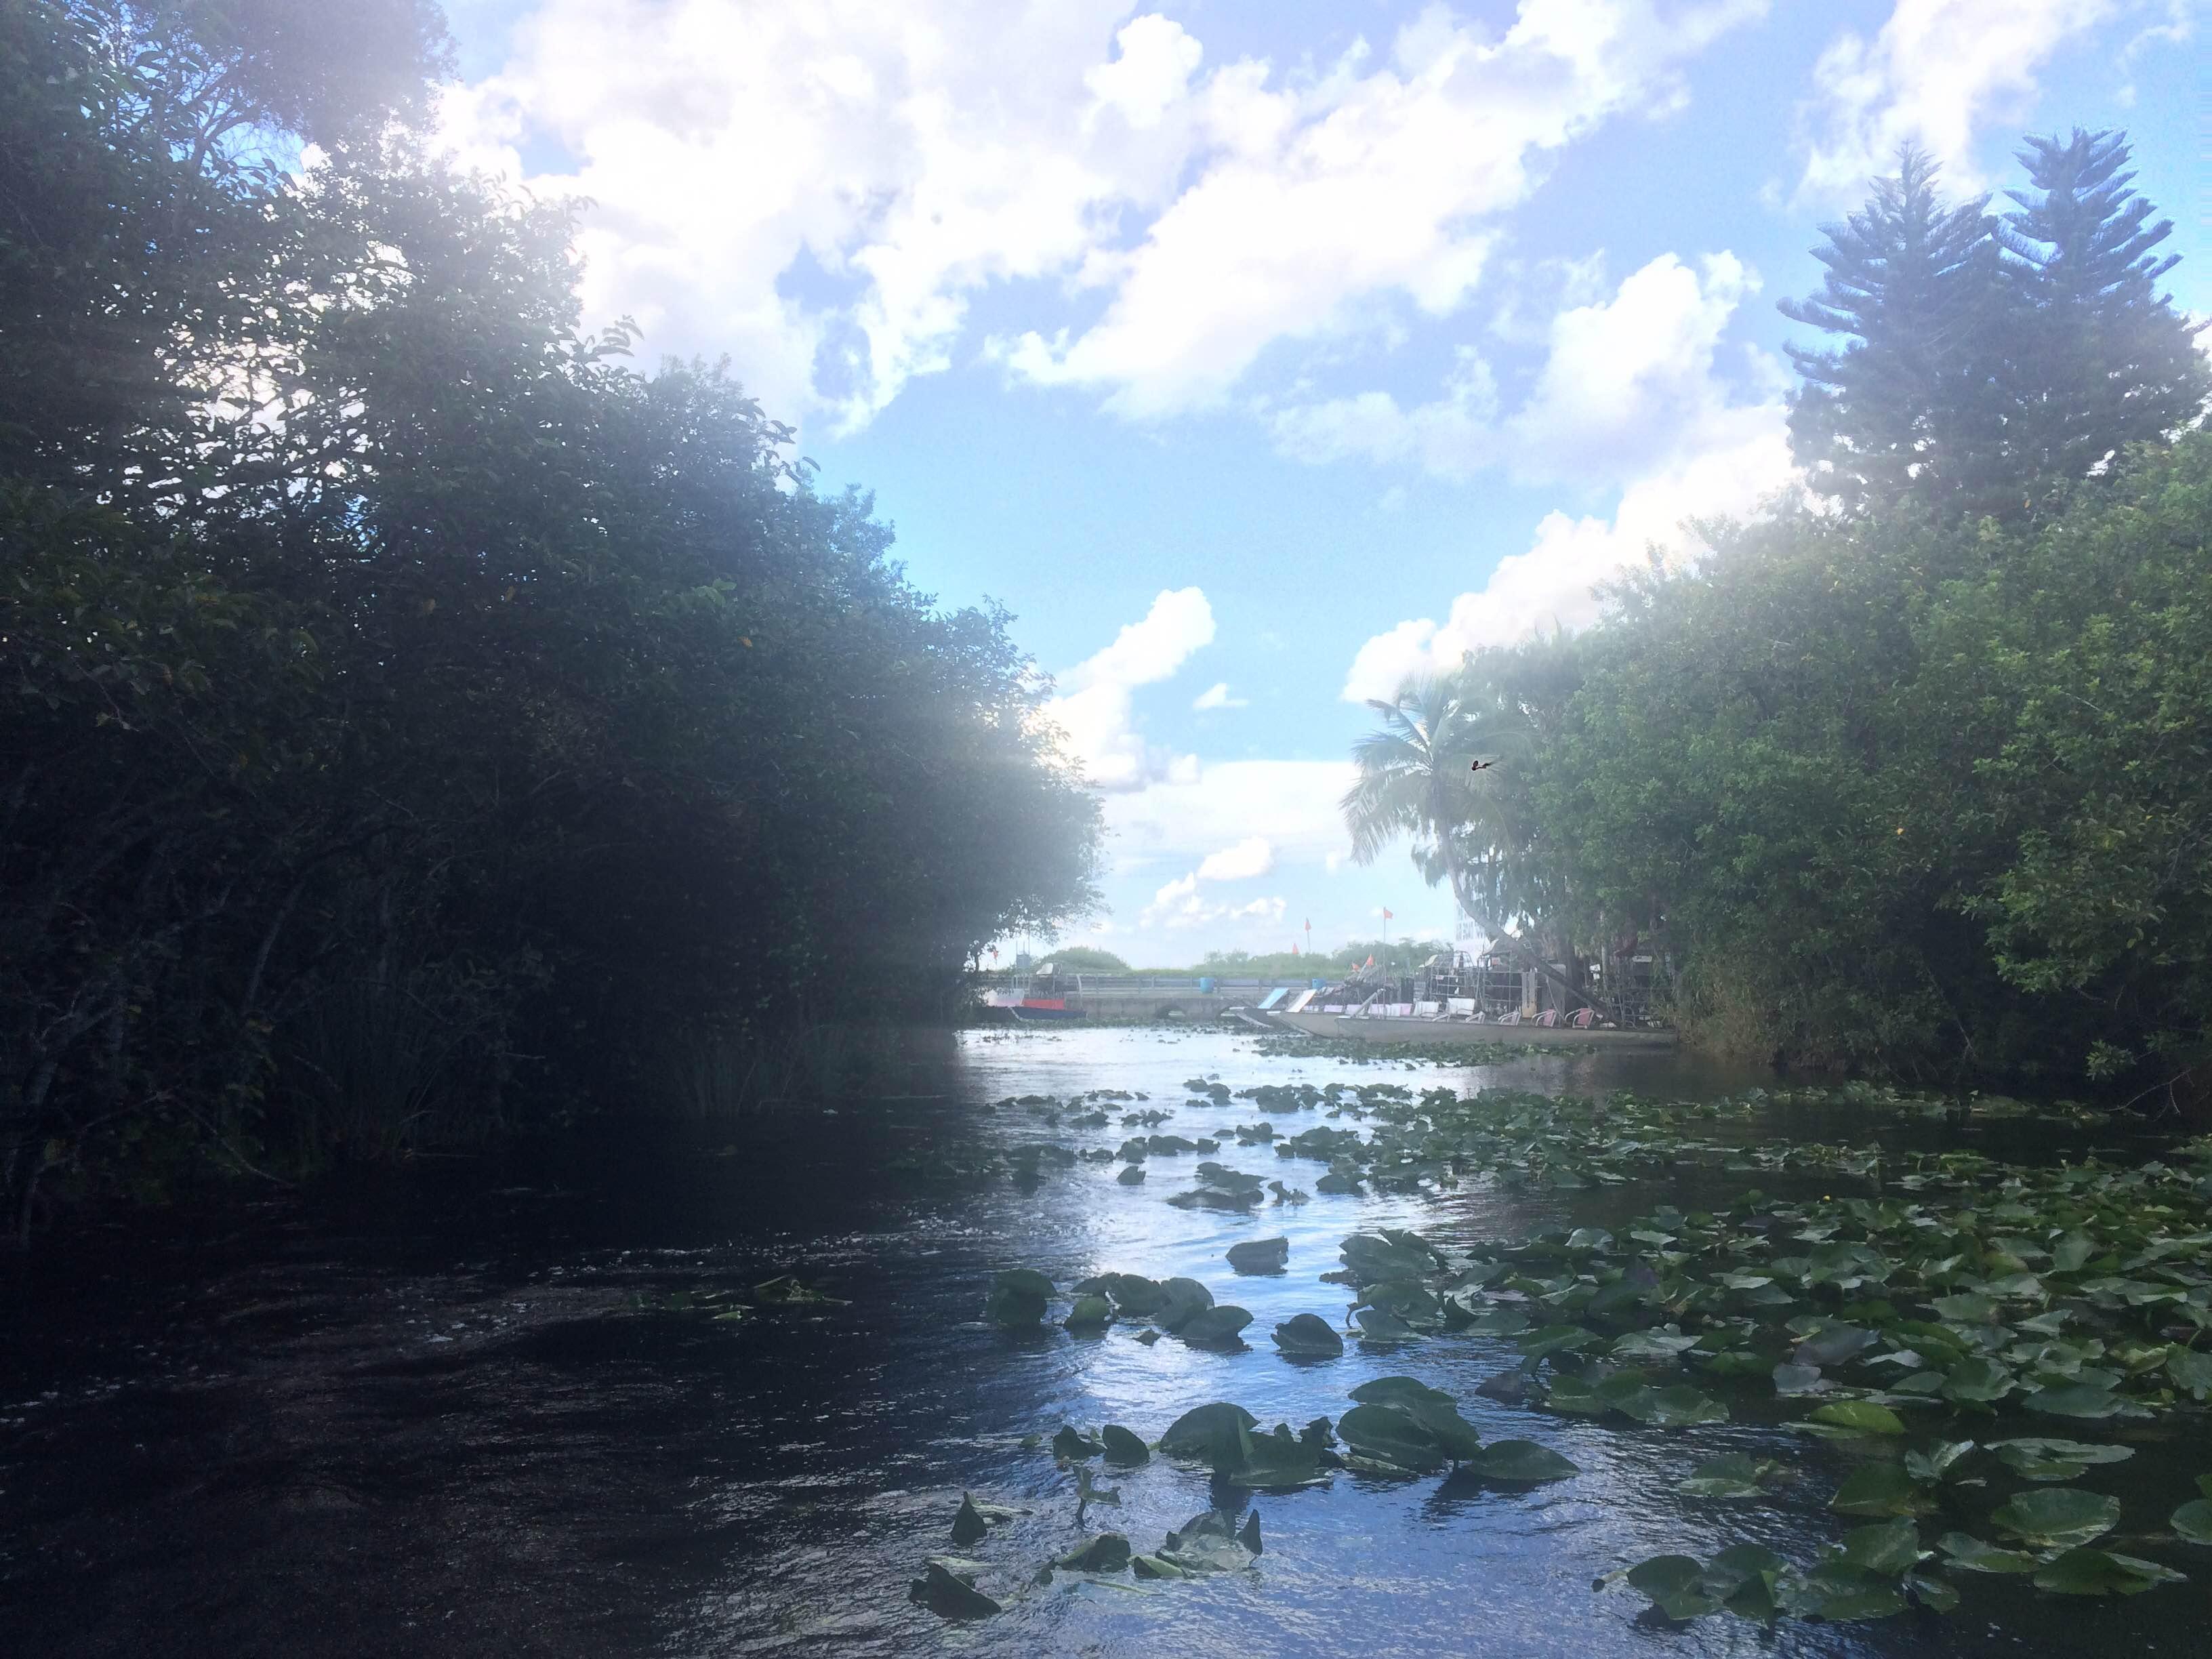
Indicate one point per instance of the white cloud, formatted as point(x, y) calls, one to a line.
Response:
point(1632, 394)
point(1217, 696)
point(1936, 72)
point(1247, 859)
point(823, 187)
point(1550, 583)
point(1630, 381)
point(1098, 717)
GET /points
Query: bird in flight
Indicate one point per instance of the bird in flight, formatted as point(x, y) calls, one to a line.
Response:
point(1484, 766)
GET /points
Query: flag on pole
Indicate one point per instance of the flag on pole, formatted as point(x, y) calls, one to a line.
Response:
point(1294, 947)
point(1386, 915)
point(1370, 959)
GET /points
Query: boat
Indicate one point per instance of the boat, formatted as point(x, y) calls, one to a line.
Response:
point(1050, 998)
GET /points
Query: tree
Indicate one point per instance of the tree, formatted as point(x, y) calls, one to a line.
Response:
point(2107, 361)
point(1906, 410)
point(1417, 779)
point(1088, 959)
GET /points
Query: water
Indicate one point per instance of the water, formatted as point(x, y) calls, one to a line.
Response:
point(423, 1417)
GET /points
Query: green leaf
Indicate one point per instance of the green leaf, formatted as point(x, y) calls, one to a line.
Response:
point(2084, 1399)
point(2055, 1460)
point(1309, 1336)
point(1108, 1553)
point(2193, 1520)
point(1018, 1298)
point(2057, 1516)
point(1390, 1435)
point(1218, 1327)
point(1211, 1434)
point(1887, 1550)
point(1732, 1475)
point(1521, 1462)
point(1880, 1489)
point(2097, 1572)
point(1683, 1405)
point(1860, 1417)
point(1122, 1447)
point(1979, 1557)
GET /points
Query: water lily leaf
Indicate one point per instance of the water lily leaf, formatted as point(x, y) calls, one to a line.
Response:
point(1182, 1301)
point(2192, 1372)
point(1261, 1255)
point(1071, 1445)
point(1201, 1555)
point(1556, 1338)
point(1523, 1462)
point(1108, 1553)
point(1211, 1434)
point(2071, 1253)
point(1932, 1592)
point(1839, 1590)
point(1018, 1297)
point(1932, 1465)
point(1376, 1326)
point(1501, 1321)
point(1653, 1344)
point(947, 1588)
point(1309, 1335)
point(1281, 1461)
point(2057, 1516)
point(2193, 1520)
point(1966, 1308)
point(1570, 1393)
point(2087, 1399)
point(1682, 1406)
point(1090, 1312)
point(968, 1523)
point(1973, 1554)
point(1794, 1379)
point(1152, 1566)
point(1133, 1294)
point(1732, 1475)
point(1833, 1345)
point(1880, 1489)
point(1388, 1435)
point(1434, 1410)
point(1859, 1417)
point(1977, 1380)
point(1674, 1585)
point(1122, 1447)
point(2055, 1460)
point(1887, 1550)
point(1216, 1327)
point(2099, 1572)
point(1133, 1175)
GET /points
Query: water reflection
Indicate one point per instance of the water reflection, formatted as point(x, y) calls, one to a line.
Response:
point(425, 1420)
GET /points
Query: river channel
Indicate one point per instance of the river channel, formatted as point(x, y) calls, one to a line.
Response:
point(475, 1407)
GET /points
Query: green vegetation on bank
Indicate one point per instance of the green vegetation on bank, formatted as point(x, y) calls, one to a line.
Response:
point(416, 719)
point(1910, 775)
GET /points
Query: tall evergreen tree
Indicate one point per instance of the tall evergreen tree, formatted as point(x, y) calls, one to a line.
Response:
point(2108, 361)
point(1902, 412)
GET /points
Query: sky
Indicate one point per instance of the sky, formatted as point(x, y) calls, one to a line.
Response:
point(1257, 353)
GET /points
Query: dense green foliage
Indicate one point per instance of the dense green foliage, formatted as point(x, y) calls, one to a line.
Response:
point(1914, 779)
point(411, 711)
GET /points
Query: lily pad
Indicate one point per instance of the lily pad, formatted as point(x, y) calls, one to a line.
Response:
point(1122, 1447)
point(1182, 1301)
point(2055, 1460)
point(1434, 1410)
point(2085, 1399)
point(2056, 1517)
point(1090, 1313)
point(1107, 1553)
point(1682, 1406)
point(1521, 1462)
point(1732, 1475)
point(1309, 1336)
point(1261, 1255)
point(1384, 1434)
point(1859, 1417)
point(2097, 1572)
point(1976, 1556)
point(947, 1588)
point(1071, 1445)
point(1880, 1489)
point(1216, 1327)
point(1211, 1433)
point(968, 1523)
point(1018, 1298)
point(2193, 1520)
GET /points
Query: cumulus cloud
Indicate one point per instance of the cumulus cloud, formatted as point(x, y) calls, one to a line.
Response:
point(1936, 72)
point(1099, 713)
point(1633, 393)
point(821, 189)
point(1217, 696)
point(1249, 858)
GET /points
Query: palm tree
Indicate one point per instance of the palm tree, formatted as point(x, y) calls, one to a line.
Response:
point(1417, 779)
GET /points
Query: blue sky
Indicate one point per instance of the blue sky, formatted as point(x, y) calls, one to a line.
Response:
point(1257, 354)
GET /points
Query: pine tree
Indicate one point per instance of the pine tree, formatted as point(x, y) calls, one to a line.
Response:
point(2108, 361)
point(1904, 410)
